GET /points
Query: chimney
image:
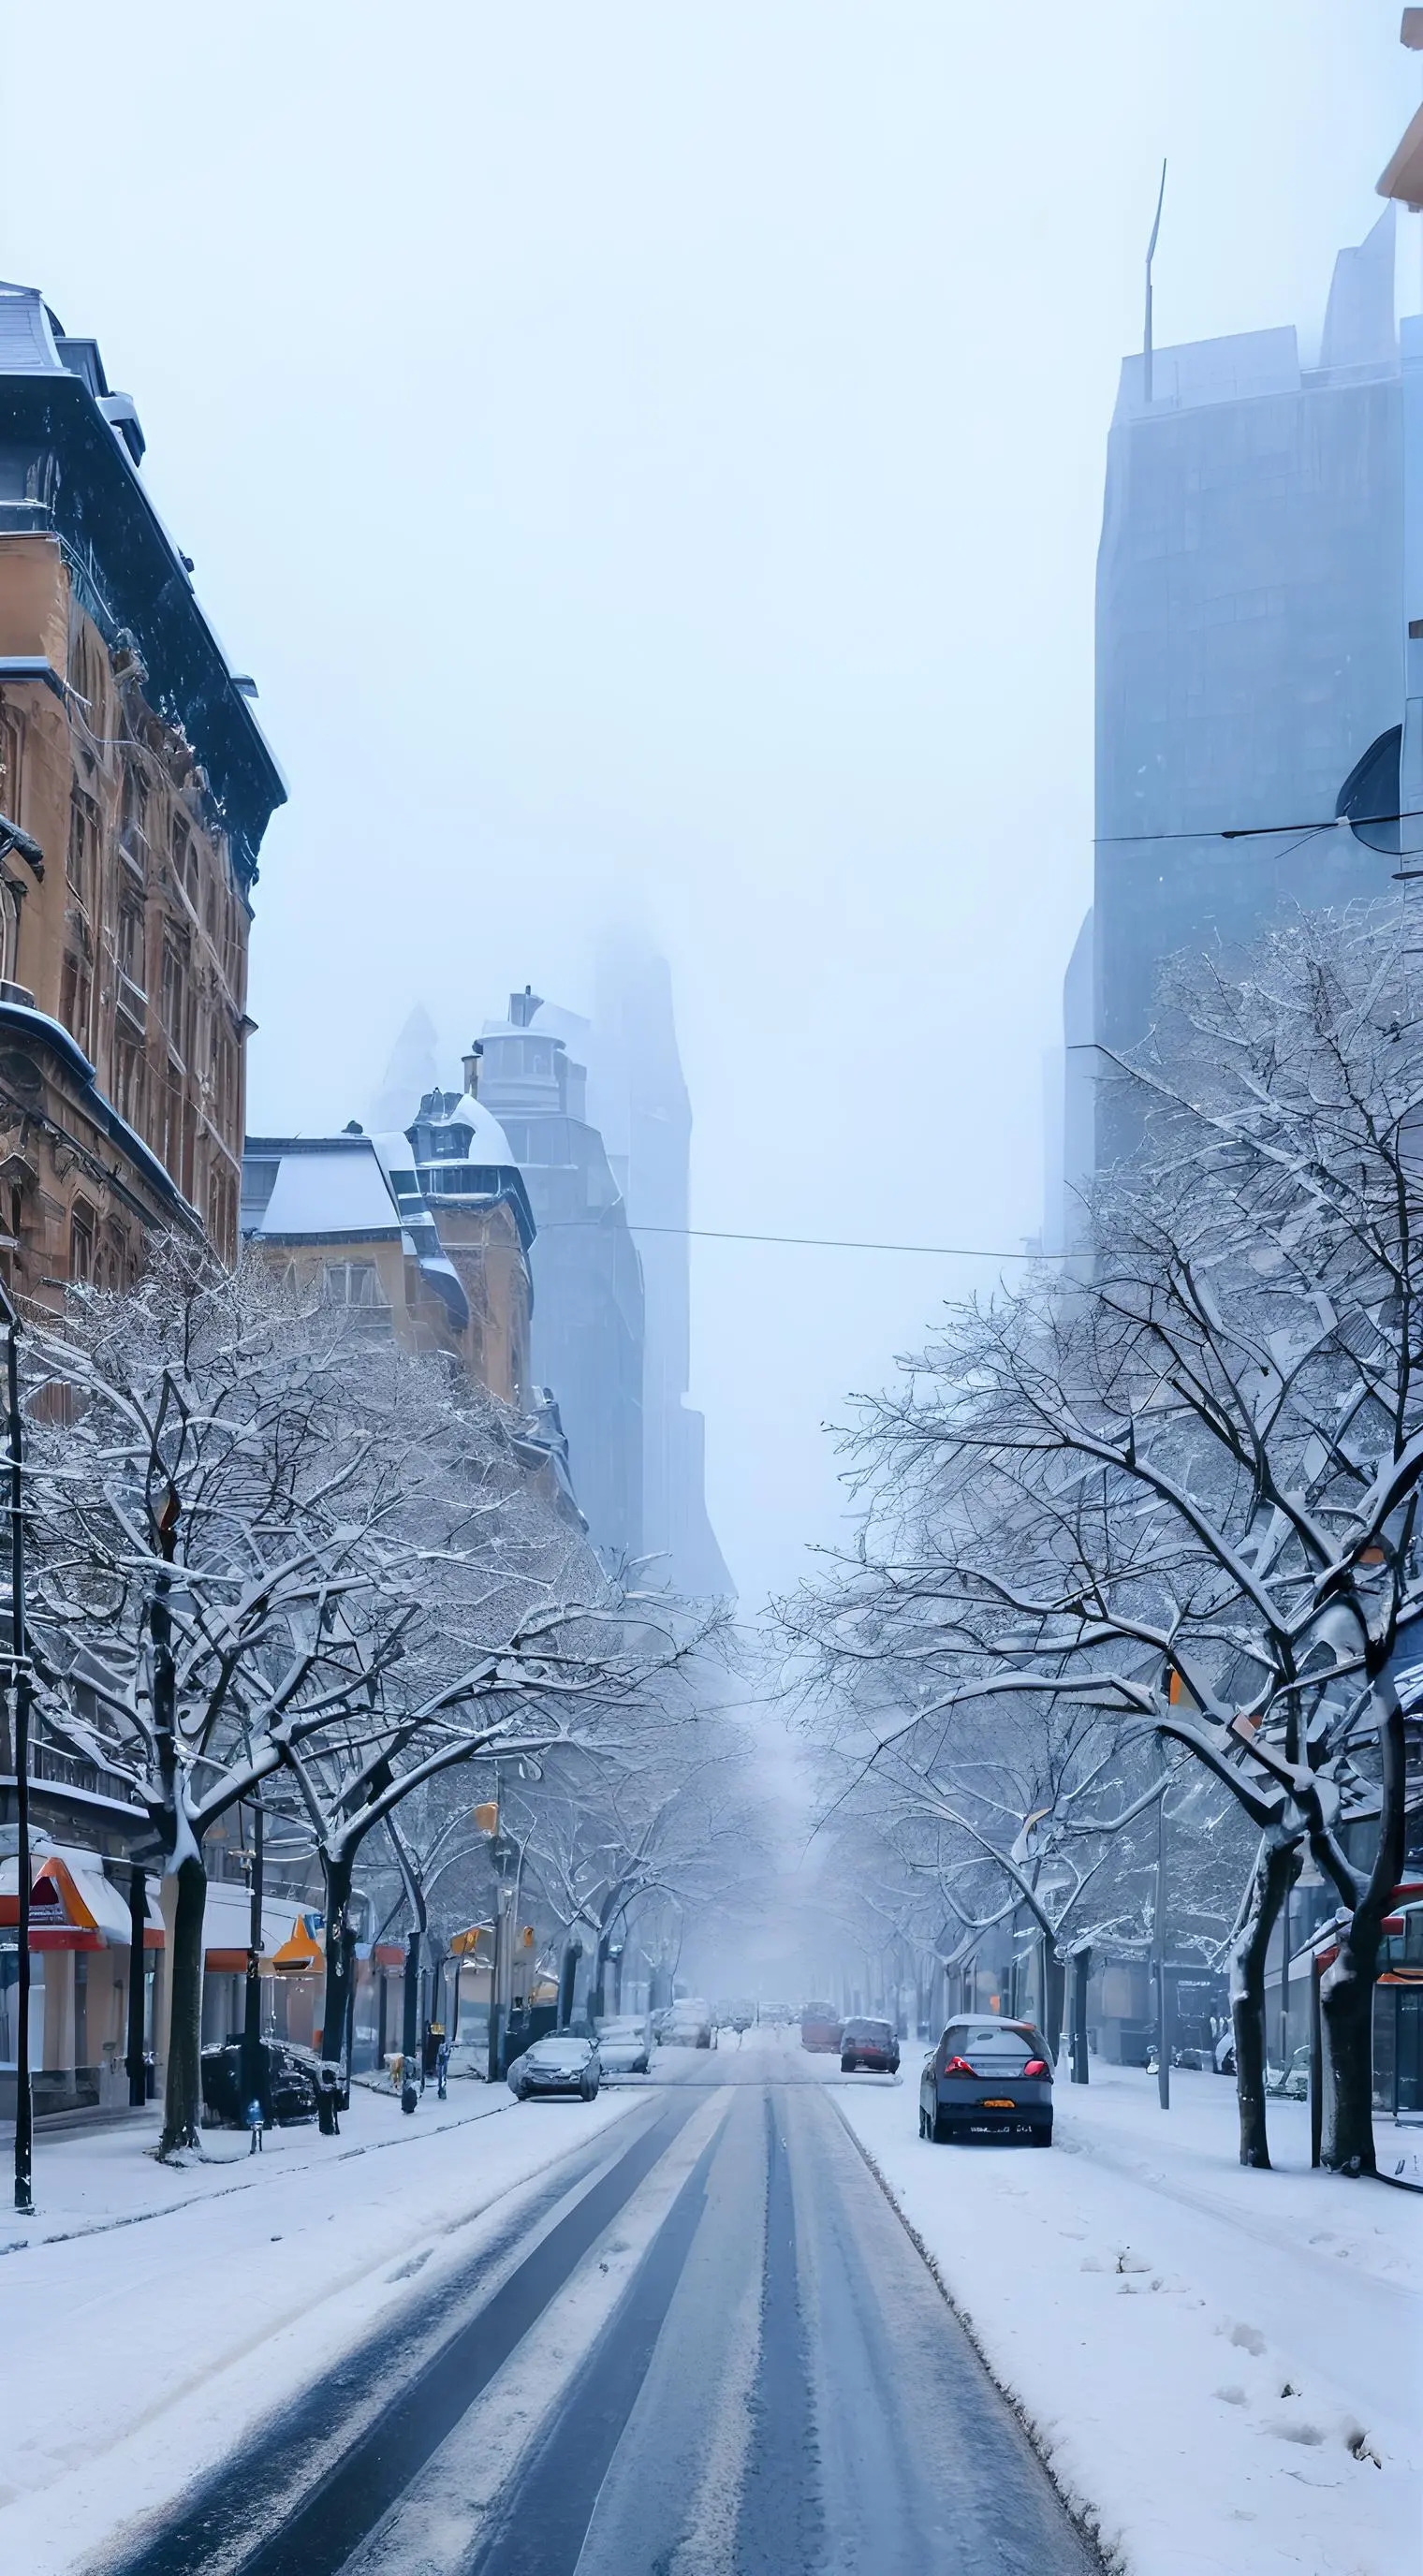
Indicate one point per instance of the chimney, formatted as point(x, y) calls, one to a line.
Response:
point(471, 1067)
point(522, 1006)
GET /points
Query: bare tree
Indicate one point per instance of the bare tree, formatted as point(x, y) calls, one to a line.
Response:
point(264, 1547)
point(1178, 1492)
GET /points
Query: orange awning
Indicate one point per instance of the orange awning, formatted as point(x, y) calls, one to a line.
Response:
point(301, 1954)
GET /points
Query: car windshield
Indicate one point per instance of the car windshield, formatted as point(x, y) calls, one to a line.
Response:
point(620, 2030)
point(558, 2052)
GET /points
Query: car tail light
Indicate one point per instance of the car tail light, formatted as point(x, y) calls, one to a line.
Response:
point(1036, 2066)
point(957, 2066)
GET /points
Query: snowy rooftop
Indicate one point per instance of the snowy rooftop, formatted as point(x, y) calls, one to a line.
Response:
point(315, 1188)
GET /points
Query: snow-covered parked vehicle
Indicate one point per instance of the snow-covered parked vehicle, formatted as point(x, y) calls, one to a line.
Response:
point(869, 2045)
point(625, 2045)
point(561, 2063)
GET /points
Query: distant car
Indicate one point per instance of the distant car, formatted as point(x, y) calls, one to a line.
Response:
point(561, 2063)
point(774, 2015)
point(624, 2046)
point(741, 2013)
point(987, 2078)
point(820, 2026)
point(286, 2089)
point(688, 2025)
point(1225, 2053)
point(871, 2045)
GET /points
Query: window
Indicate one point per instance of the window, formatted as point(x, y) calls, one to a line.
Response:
point(129, 1084)
point(9, 931)
point(10, 767)
point(131, 944)
point(81, 857)
point(133, 811)
point(353, 1283)
point(223, 1106)
point(81, 1242)
point(175, 996)
point(74, 992)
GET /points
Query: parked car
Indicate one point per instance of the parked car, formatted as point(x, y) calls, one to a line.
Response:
point(869, 2044)
point(625, 2045)
point(689, 2024)
point(741, 2013)
point(987, 2078)
point(819, 2026)
point(287, 2085)
point(560, 2063)
point(1225, 2053)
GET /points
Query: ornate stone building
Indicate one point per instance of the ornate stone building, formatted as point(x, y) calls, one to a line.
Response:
point(135, 788)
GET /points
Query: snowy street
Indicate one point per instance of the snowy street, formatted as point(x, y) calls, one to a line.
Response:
point(681, 2327)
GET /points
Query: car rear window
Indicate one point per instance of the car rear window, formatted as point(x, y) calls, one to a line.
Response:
point(878, 2031)
point(981, 2038)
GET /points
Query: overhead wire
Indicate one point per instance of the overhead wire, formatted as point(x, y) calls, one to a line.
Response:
point(826, 1242)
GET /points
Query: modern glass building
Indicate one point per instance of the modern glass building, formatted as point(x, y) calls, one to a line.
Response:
point(1250, 650)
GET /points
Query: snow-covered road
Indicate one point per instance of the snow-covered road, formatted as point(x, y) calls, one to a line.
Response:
point(682, 2329)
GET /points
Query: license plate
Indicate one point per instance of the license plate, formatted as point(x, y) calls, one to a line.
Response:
point(990, 2103)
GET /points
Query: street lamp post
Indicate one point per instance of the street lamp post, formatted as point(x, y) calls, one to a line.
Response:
point(20, 1704)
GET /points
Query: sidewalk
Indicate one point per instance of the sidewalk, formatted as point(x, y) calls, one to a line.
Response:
point(1223, 2369)
point(91, 2178)
point(154, 2312)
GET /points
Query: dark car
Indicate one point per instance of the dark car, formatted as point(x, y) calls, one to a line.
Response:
point(820, 2026)
point(561, 2063)
point(286, 2082)
point(871, 2044)
point(987, 2079)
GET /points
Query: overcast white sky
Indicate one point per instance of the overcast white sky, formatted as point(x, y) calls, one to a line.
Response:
point(650, 457)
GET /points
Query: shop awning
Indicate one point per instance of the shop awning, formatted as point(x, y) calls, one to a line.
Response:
point(301, 1954)
point(72, 1905)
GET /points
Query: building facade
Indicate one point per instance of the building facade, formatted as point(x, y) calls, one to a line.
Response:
point(1250, 660)
point(587, 1332)
point(638, 1097)
point(135, 789)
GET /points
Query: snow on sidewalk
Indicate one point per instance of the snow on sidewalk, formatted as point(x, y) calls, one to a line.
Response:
point(155, 2313)
point(1224, 2370)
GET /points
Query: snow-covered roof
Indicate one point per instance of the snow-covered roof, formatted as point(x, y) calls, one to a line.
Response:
point(487, 1140)
point(326, 1186)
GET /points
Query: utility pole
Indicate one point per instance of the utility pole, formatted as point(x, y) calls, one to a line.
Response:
point(1158, 1944)
point(20, 1704)
point(137, 1972)
point(252, 1995)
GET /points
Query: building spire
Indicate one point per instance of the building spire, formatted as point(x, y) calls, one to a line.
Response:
point(1150, 256)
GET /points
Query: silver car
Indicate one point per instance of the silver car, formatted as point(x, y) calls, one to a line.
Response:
point(625, 2045)
point(987, 2078)
point(562, 2063)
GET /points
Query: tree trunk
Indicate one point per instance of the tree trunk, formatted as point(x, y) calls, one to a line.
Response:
point(183, 2085)
point(567, 1980)
point(1081, 1971)
point(1346, 1992)
point(1276, 1868)
point(1054, 1996)
point(335, 2094)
